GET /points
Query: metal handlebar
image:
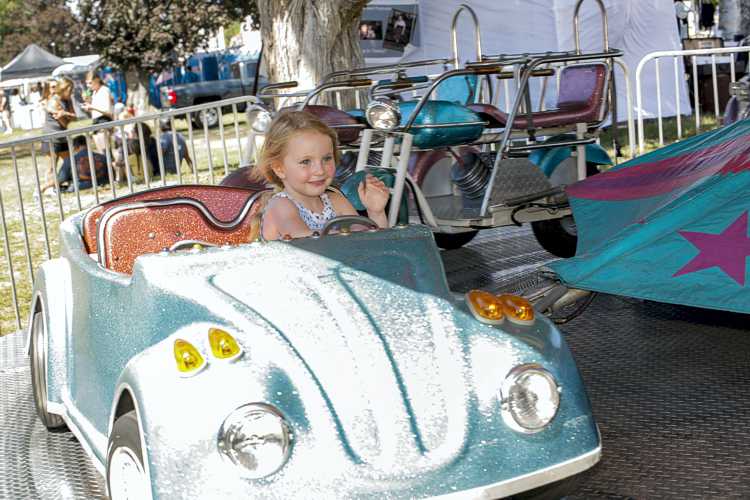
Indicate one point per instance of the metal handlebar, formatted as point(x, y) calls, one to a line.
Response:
point(386, 68)
point(605, 25)
point(343, 85)
point(454, 36)
point(309, 94)
point(279, 86)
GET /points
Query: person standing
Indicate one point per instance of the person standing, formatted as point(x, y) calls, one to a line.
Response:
point(101, 108)
point(58, 115)
point(5, 113)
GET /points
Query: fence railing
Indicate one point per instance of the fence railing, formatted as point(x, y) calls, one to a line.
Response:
point(677, 56)
point(138, 153)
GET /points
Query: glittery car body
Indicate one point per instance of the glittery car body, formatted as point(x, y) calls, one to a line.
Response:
point(390, 386)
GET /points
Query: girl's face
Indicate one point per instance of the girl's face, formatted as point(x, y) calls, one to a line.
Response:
point(307, 166)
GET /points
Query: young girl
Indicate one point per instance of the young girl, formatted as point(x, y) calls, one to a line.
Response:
point(299, 158)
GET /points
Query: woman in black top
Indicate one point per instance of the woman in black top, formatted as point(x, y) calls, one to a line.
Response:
point(58, 113)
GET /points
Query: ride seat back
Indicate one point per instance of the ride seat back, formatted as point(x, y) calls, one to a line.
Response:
point(582, 98)
point(224, 203)
point(129, 230)
point(583, 90)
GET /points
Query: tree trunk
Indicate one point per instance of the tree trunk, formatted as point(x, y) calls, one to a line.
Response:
point(304, 40)
point(729, 18)
point(744, 17)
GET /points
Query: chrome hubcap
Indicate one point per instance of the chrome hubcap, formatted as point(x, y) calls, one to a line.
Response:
point(127, 479)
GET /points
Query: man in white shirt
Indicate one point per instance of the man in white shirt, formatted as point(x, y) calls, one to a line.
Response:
point(101, 107)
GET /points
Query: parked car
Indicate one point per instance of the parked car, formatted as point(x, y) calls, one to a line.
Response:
point(334, 366)
point(182, 95)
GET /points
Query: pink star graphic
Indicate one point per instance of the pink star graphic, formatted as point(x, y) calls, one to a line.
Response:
point(727, 250)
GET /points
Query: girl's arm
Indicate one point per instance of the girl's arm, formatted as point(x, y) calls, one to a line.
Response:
point(282, 218)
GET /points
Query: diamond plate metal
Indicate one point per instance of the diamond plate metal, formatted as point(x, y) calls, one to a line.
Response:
point(35, 463)
point(670, 387)
point(517, 177)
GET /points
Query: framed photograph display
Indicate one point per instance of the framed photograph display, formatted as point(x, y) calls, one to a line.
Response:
point(399, 29)
point(371, 30)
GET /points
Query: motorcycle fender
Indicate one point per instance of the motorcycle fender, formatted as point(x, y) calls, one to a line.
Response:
point(549, 159)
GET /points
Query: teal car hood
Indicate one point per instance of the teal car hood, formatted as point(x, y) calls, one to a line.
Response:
point(388, 358)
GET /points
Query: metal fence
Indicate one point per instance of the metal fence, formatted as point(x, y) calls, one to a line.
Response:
point(29, 217)
point(677, 56)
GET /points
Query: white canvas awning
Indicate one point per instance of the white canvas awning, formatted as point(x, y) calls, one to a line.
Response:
point(638, 27)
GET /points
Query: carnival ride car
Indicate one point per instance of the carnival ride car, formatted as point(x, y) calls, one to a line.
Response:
point(190, 364)
point(467, 164)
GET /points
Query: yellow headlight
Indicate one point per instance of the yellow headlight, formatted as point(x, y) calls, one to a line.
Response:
point(485, 306)
point(189, 359)
point(517, 309)
point(223, 345)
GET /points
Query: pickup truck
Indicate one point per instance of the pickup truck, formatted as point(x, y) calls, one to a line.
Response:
point(201, 92)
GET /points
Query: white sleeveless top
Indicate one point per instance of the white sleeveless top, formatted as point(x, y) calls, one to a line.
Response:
point(314, 221)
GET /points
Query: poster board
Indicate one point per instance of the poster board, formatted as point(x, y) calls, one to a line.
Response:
point(388, 31)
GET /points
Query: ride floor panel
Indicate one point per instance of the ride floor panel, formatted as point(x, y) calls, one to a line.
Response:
point(670, 388)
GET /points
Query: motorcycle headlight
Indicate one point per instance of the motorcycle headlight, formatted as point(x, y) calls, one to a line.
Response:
point(259, 119)
point(256, 438)
point(383, 114)
point(530, 398)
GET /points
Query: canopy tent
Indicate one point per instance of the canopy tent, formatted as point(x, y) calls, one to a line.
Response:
point(638, 27)
point(33, 62)
point(670, 225)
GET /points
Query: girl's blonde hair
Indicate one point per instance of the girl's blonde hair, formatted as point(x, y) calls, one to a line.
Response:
point(63, 83)
point(282, 129)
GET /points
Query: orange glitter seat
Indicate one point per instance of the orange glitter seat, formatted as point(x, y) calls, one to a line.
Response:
point(223, 202)
point(129, 230)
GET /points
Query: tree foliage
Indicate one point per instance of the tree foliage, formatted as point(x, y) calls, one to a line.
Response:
point(47, 23)
point(150, 35)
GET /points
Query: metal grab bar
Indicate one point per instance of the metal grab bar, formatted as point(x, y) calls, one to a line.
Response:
point(605, 25)
point(448, 74)
point(331, 86)
point(308, 94)
point(454, 36)
point(263, 91)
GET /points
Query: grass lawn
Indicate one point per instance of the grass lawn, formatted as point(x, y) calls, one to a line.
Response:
point(18, 182)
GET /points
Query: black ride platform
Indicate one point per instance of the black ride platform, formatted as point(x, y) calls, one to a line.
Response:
point(670, 387)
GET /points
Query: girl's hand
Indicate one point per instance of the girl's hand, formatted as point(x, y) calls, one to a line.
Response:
point(374, 194)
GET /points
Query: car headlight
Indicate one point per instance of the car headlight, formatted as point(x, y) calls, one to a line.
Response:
point(259, 119)
point(383, 114)
point(256, 438)
point(530, 398)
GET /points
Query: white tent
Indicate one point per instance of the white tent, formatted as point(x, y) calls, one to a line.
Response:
point(511, 26)
point(77, 64)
